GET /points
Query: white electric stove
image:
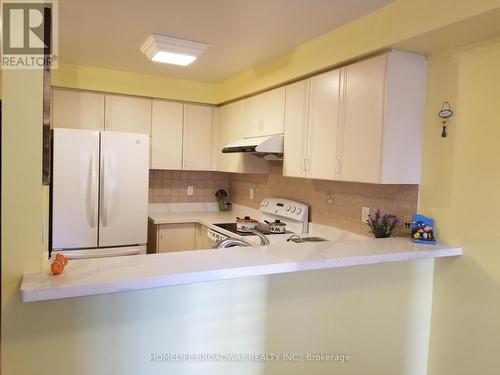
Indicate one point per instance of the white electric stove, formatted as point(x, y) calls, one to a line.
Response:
point(294, 214)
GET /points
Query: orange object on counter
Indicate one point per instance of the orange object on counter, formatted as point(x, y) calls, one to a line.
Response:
point(58, 264)
point(62, 258)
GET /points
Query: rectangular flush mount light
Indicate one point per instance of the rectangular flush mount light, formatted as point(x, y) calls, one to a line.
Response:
point(169, 50)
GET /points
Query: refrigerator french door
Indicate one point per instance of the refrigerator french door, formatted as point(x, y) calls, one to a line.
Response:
point(99, 193)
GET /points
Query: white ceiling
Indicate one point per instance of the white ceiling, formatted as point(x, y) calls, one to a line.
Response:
point(241, 33)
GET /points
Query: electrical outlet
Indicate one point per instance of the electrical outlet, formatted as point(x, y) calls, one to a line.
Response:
point(329, 197)
point(365, 212)
point(251, 193)
point(190, 191)
point(406, 224)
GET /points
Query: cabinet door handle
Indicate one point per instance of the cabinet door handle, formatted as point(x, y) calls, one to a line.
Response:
point(307, 164)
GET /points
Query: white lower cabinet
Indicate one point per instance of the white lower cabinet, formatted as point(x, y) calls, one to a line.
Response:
point(166, 238)
point(361, 123)
point(201, 241)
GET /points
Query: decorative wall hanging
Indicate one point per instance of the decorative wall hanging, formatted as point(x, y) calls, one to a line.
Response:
point(445, 114)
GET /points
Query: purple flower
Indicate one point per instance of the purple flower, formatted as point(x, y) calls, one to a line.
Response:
point(382, 225)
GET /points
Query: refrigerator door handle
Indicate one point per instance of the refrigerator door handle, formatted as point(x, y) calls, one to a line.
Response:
point(104, 192)
point(93, 189)
point(99, 253)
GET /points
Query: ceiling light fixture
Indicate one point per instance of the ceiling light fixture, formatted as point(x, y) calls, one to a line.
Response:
point(169, 50)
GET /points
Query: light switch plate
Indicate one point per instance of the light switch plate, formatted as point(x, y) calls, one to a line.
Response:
point(365, 211)
point(190, 191)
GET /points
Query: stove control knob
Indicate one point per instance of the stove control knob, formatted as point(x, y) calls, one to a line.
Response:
point(293, 209)
point(265, 204)
point(299, 210)
point(287, 208)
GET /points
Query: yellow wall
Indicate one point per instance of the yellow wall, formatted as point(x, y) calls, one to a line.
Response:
point(460, 189)
point(382, 29)
point(91, 78)
point(386, 27)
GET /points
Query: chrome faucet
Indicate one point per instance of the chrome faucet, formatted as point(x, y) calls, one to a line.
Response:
point(295, 238)
point(230, 242)
point(263, 239)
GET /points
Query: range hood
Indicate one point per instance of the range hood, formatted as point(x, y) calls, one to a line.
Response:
point(269, 147)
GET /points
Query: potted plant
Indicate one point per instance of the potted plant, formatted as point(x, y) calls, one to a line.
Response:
point(382, 225)
point(221, 196)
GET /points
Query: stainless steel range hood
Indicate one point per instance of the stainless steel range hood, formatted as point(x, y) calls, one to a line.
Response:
point(268, 147)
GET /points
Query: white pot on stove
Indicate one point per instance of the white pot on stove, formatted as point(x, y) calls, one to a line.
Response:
point(276, 226)
point(245, 224)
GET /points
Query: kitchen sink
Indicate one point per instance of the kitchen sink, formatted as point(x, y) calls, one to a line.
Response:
point(307, 239)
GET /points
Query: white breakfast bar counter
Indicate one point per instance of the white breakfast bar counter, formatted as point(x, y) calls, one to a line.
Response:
point(85, 277)
point(120, 274)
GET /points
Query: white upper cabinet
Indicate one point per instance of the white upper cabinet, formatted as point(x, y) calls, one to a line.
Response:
point(183, 136)
point(363, 117)
point(197, 137)
point(383, 116)
point(77, 109)
point(323, 121)
point(264, 113)
point(128, 114)
point(296, 112)
point(234, 161)
point(273, 111)
point(252, 116)
point(223, 136)
point(230, 128)
point(312, 127)
point(166, 135)
point(364, 122)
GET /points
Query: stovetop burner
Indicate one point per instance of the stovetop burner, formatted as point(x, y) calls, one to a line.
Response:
point(231, 227)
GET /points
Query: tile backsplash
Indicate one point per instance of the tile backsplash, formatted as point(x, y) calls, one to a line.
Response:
point(333, 203)
point(171, 186)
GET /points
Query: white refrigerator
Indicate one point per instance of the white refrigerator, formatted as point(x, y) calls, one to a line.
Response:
point(99, 193)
